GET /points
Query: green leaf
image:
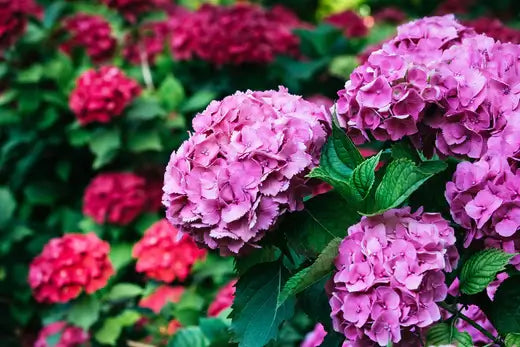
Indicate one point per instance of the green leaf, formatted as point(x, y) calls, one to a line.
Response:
point(403, 149)
point(443, 334)
point(262, 255)
point(324, 218)
point(52, 13)
point(312, 274)
point(188, 310)
point(144, 140)
point(401, 179)
point(32, 74)
point(8, 204)
point(41, 192)
point(198, 101)
point(512, 340)
point(188, 337)
point(77, 135)
point(256, 316)
point(346, 150)
point(120, 255)
point(504, 312)
point(481, 269)
point(84, 312)
point(52, 340)
point(364, 175)
point(215, 330)
point(144, 109)
point(113, 326)
point(104, 143)
point(171, 93)
point(124, 291)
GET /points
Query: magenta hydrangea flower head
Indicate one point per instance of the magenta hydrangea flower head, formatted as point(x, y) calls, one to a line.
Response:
point(243, 167)
point(315, 337)
point(389, 275)
point(484, 199)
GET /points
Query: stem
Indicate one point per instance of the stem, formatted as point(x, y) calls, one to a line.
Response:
point(131, 343)
point(471, 322)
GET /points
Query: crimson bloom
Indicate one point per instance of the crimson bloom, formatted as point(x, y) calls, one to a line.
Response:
point(13, 20)
point(164, 254)
point(161, 296)
point(116, 198)
point(223, 300)
point(147, 43)
point(71, 336)
point(350, 22)
point(68, 265)
point(100, 95)
point(132, 9)
point(93, 33)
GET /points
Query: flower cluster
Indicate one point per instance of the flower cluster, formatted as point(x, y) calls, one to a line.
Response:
point(389, 275)
point(92, 33)
point(102, 95)
point(115, 197)
point(438, 82)
point(494, 28)
point(164, 255)
point(71, 336)
point(484, 199)
point(13, 20)
point(147, 43)
point(161, 296)
point(244, 166)
point(349, 22)
point(68, 265)
point(315, 337)
point(132, 9)
point(390, 15)
point(234, 34)
point(223, 300)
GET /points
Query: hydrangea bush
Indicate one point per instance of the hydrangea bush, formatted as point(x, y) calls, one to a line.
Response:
point(259, 174)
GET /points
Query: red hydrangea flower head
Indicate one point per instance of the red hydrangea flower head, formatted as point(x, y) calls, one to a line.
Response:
point(13, 20)
point(350, 22)
point(223, 300)
point(389, 275)
point(71, 336)
point(69, 264)
point(132, 9)
point(116, 198)
point(101, 95)
point(237, 34)
point(161, 296)
point(92, 33)
point(243, 167)
point(390, 15)
point(164, 254)
point(148, 43)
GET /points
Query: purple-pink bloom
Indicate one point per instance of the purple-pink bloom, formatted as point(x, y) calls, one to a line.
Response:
point(315, 337)
point(390, 275)
point(243, 167)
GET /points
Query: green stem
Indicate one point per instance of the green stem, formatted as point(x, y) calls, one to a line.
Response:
point(471, 322)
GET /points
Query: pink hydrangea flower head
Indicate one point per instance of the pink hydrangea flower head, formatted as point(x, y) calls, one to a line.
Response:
point(237, 34)
point(132, 9)
point(484, 198)
point(161, 296)
point(147, 43)
point(164, 254)
point(243, 167)
point(93, 33)
point(68, 265)
point(350, 22)
point(71, 336)
point(13, 20)
point(390, 274)
point(115, 197)
point(223, 299)
point(315, 337)
point(101, 95)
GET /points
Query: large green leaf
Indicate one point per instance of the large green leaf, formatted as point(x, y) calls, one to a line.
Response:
point(124, 291)
point(171, 93)
point(104, 143)
point(256, 315)
point(144, 109)
point(401, 179)
point(312, 274)
point(216, 331)
point(8, 205)
point(113, 326)
point(443, 334)
point(324, 218)
point(512, 340)
point(346, 150)
point(481, 269)
point(144, 140)
point(504, 312)
point(84, 312)
point(364, 176)
point(188, 337)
